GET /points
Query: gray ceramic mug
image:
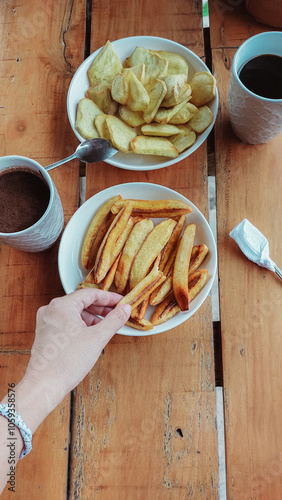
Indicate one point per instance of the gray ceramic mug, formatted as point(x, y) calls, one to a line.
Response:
point(254, 119)
point(47, 229)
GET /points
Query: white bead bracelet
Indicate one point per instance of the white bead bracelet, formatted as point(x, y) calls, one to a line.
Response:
point(13, 416)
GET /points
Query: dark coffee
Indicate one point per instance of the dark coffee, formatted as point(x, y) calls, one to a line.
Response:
point(24, 197)
point(263, 76)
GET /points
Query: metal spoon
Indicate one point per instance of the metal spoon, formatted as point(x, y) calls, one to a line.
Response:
point(90, 151)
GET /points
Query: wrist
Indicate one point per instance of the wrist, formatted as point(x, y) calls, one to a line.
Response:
point(33, 401)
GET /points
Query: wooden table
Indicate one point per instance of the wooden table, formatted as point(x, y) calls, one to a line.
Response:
point(142, 425)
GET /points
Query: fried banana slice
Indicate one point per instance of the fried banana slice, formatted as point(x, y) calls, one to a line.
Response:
point(165, 311)
point(96, 226)
point(149, 251)
point(112, 243)
point(84, 284)
point(144, 288)
point(169, 307)
point(139, 324)
point(109, 279)
point(199, 253)
point(160, 293)
point(177, 230)
point(154, 208)
point(137, 236)
point(88, 282)
point(140, 311)
point(181, 267)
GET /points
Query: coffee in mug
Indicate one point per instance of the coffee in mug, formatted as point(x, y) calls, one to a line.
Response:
point(24, 197)
point(255, 97)
point(31, 213)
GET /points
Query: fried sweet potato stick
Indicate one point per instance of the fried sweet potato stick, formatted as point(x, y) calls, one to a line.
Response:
point(144, 288)
point(199, 253)
point(96, 227)
point(137, 236)
point(140, 311)
point(139, 324)
point(108, 280)
point(169, 307)
point(177, 230)
point(152, 246)
point(155, 208)
point(112, 243)
point(160, 293)
point(181, 267)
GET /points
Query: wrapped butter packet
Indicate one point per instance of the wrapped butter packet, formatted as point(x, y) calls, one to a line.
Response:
point(253, 244)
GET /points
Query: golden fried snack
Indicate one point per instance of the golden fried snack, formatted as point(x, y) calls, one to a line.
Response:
point(96, 232)
point(108, 281)
point(198, 254)
point(140, 311)
point(143, 288)
point(149, 145)
point(112, 243)
point(177, 230)
point(137, 236)
point(155, 208)
point(170, 262)
point(196, 282)
point(181, 267)
point(88, 282)
point(152, 246)
point(85, 284)
point(139, 324)
point(169, 307)
point(160, 293)
point(165, 311)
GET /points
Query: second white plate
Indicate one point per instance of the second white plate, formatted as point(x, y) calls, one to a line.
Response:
point(72, 272)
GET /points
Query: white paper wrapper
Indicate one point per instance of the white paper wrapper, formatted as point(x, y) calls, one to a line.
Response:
point(252, 243)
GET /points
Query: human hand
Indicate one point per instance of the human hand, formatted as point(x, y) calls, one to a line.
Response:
point(69, 338)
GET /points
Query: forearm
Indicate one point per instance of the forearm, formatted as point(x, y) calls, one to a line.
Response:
point(33, 403)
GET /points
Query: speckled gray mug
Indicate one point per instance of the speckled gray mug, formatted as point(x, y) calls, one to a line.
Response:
point(44, 233)
point(254, 119)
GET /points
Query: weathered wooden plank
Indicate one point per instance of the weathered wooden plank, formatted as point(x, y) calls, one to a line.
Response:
point(43, 473)
point(144, 420)
point(42, 45)
point(144, 423)
point(249, 185)
point(230, 23)
point(180, 21)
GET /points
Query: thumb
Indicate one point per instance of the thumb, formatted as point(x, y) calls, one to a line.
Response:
point(108, 326)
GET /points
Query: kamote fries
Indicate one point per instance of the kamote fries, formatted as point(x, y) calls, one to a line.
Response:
point(97, 230)
point(181, 267)
point(146, 262)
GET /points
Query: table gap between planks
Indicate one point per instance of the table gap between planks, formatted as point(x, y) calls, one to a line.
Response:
point(249, 184)
point(143, 421)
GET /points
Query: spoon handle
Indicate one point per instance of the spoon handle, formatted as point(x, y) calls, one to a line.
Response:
point(54, 165)
point(278, 271)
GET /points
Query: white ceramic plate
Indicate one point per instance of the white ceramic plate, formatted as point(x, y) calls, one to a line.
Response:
point(72, 272)
point(123, 49)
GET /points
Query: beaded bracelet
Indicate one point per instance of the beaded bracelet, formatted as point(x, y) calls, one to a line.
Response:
point(13, 416)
